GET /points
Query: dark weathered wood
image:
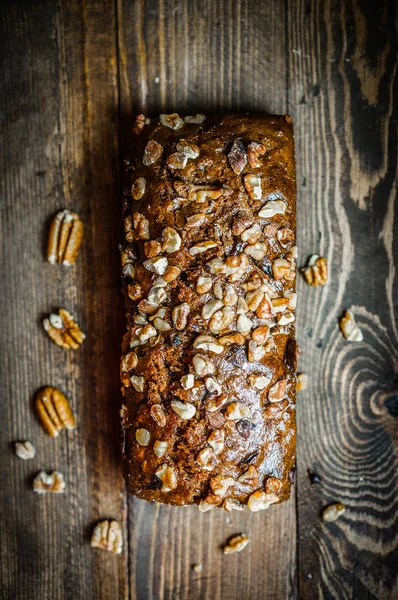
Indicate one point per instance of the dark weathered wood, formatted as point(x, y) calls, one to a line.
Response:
point(342, 90)
point(59, 148)
point(73, 76)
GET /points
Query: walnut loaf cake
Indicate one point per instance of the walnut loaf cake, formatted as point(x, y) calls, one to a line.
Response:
point(209, 357)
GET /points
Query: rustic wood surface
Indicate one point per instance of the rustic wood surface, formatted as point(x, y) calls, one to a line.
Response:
point(73, 75)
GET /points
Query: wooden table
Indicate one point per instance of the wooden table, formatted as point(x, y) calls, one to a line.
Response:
point(73, 75)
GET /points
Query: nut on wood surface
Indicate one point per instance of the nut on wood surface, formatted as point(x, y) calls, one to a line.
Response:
point(316, 271)
point(54, 412)
point(49, 482)
point(107, 535)
point(63, 330)
point(64, 238)
point(25, 450)
point(236, 544)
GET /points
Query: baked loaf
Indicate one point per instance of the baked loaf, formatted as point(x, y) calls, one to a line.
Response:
point(209, 357)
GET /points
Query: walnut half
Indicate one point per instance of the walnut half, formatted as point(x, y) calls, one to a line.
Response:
point(49, 482)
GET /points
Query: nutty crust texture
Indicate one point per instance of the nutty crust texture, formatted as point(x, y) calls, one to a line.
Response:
point(208, 273)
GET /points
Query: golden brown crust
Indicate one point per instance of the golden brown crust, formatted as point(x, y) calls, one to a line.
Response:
point(209, 286)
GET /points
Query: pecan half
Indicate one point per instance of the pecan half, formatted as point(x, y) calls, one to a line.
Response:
point(107, 535)
point(63, 330)
point(54, 412)
point(64, 238)
point(316, 271)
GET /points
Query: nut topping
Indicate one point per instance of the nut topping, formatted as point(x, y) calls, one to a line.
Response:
point(134, 291)
point(64, 238)
point(49, 482)
point(253, 299)
point(208, 343)
point(156, 265)
point(202, 247)
point(230, 504)
point(257, 251)
point(25, 450)
point(350, 329)
point(173, 121)
point(249, 477)
point(253, 186)
point(277, 391)
point(211, 308)
point(216, 402)
point(63, 330)
point(272, 208)
point(260, 382)
point(129, 361)
point(272, 485)
point(177, 160)
point(180, 315)
point(196, 220)
point(280, 268)
point(191, 150)
point(213, 387)
point(183, 409)
point(152, 249)
point(199, 194)
point(316, 271)
point(198, 119)
point(171, 240)
point(204, 284)
point(237, 157)
point(158, 415)
point(168, 477)
point(220, 484)
point(237, 410)
point(171, 274)
point(138, 188)
point(143, 437)
point(161, 324)
point(153, 151)
point(232, 339)
point(252, 234)
point(254, 150)
point(202, 365)
point(216, 440)
point(137, 383)
point(244, 325)
point(285, 237)
point(139, 124)
point(107, 535)
point(332, 512)
point(207, 459)
point(260, 500)
point(261, 334)
point(255, 352)
point(160, 448)
point(145, 333)
point(52, 408)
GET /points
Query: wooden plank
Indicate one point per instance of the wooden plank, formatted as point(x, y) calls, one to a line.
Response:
point(59, 148)
point(343, 90)
point(188, 57)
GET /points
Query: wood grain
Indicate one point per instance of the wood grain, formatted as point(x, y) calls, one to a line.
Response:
point(74, 74)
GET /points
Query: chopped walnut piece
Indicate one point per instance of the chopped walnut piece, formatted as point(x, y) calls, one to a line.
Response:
point(199, 194)
point(253, 186)
point(237, 157)
point(279, 304)
point(249, 477)
point(244, 325)
point(277, 391)
point(280, 268)
point(202, 247)
point(141, 226)
point(134, 291)
point(254, 150)
point(204, 284)
point(64, 238)
point(54, 412)
point(272, 208)
point(171, 240)
point(285, 318)
point(316, 271)
point(107, 535)
point(63, 330)
point(216, 440)
point(213, 387)
point(232, 339)
point(198, 568)
point(158, 264)
point(171, 274)
point(221, 319)
point(265, 310)
point(258, 381)
point(332, 512)
point(220, 484)
point(202, 365)
point(231, 504)
point(211, 308)
point(255, 352)
point(257, 250)
point(160, 448)
point(161, 324)
point(187, 381)
point(207, 459)
point(138, 188)
point(143, 437)
point(173, 121)
point(241, 222)
point(177, 160)
point(139, 124)
point(180, 315)
point(261, 334)
point(252, 234)
point(242, 307)
point(216, 402)
point(236, 544)
point(275, 409)
point(196, 220)
point(272, 485)
point(285, 237)
point(208, 343)
point(25, 450)
point(129, 271)
point(168, 477)
point(152, 249)
point(49, 482)
point(145, 333)
point(237, 410)
point(260, 500)
point(183, 409)
point(197, 119)
point(350, 329)
point(137, 383)
point(302, 382)
point(153, 151)
point(253, 299)
point(191, 150)
point(158, 415)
